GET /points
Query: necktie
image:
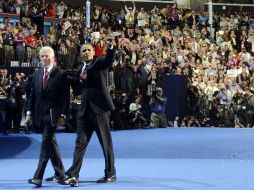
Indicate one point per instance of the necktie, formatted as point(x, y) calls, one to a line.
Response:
point(83, 74)
point(84, 67)
point(45, 78)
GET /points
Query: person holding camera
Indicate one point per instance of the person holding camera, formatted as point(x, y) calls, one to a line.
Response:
point(63, 44)
point(158, 109)
point(136, 116)
point(224, 98)
point(211, 93)
point(8, 42)
point(13, 108)
point(244, 111)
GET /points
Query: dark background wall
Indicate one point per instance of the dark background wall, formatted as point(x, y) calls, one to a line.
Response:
point(175, 89)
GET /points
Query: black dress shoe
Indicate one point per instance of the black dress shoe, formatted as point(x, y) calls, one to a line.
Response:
point(36, 182)
point(106, 179)
point(72, 181)
point(54, 178)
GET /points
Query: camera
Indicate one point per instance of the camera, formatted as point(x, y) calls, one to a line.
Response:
point(154, 93)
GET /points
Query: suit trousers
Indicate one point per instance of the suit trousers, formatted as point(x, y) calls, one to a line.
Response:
point(49, 150)
point(86, 125)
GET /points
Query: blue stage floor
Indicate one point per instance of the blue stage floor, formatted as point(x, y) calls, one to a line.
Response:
point(150, 159)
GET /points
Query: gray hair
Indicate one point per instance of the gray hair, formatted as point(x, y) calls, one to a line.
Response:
point(48, 50)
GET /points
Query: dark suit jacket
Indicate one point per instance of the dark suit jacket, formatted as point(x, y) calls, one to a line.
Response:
point(84, 39)
point(94, 88)
point(190, 20)
point(55, 96)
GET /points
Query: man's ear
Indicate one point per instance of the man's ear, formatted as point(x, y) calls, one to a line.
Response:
point(93, 52)
point(55, 63)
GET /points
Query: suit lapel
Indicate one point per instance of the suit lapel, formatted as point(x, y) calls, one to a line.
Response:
point(40, 79)
point(80, 66)
point(90, 65)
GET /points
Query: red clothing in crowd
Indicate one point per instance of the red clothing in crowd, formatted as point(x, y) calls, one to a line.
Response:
point(99, 50)
point(31, 41)
point(51, 13)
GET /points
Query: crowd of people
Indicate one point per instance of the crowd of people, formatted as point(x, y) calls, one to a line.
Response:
point(218, 62)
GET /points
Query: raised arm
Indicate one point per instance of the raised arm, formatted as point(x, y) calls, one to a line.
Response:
point(106, 61)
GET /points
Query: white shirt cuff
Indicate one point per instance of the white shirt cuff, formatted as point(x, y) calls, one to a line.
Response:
point(64, 116)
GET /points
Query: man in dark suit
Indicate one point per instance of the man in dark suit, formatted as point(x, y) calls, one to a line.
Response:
point(192, 19)
point(93, 113)
point(49, 101)
point(13, 107)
